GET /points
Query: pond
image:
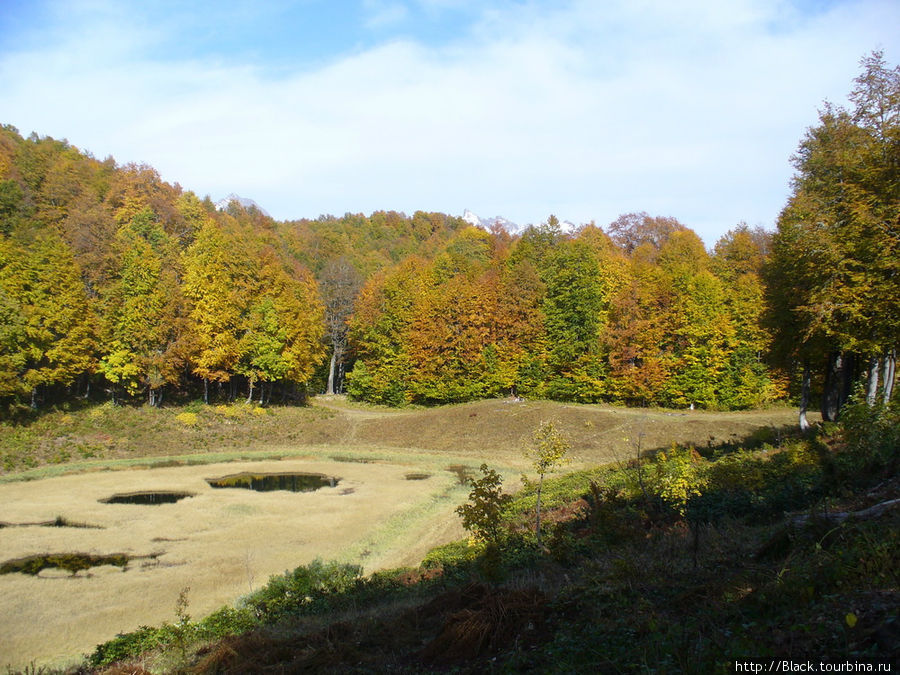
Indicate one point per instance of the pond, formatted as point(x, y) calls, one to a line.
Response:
point(70, 562)
point(146, 498)
point(268, 482)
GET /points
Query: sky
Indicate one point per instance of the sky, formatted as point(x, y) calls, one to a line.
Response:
point(585, 109)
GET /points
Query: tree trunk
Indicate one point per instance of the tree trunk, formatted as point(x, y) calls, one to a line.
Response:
point(329, 390)
point(872, 383)
point(804, 397)
point(537, 525)
point(339, 378)
point(890, 366)
point(250, 392)
point(838, 384)
point(34, 404)
point(206, 390)
point(865, 514)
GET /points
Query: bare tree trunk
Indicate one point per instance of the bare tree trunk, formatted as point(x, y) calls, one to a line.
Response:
point(872, 383)
point(250, 393)
point(206, 390)
point(330, 388)
point(804, 396)
point(890, 366)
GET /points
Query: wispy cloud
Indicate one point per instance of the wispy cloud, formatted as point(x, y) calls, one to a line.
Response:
point(381, 13)
point(584, 109)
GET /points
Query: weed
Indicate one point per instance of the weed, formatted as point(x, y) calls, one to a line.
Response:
point(189, 419)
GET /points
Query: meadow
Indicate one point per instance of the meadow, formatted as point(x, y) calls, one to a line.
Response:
point(398, 484)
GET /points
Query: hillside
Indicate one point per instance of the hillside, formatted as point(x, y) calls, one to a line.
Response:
point(61, 468)
point(685, 562)
point(493, 430)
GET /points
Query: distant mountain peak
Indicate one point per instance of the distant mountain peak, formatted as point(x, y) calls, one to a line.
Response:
point(488, 223)
point(511, 227)
point(245, 202)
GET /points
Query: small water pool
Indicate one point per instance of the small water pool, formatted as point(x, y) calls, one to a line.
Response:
point(269, 482)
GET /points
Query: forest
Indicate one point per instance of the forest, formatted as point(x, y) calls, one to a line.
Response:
point(116, 284)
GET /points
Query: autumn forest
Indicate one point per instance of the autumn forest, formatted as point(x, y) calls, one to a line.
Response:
point(116, 284)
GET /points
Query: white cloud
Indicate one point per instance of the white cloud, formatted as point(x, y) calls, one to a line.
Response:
point(382, 13)
point(683, 109)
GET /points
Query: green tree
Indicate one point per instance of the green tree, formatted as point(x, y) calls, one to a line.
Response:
point(575, 307)
point(482, 515)
point(838, 240)
point(284, 329)
point(385, 310)
point(547, 449)
point(143, 312)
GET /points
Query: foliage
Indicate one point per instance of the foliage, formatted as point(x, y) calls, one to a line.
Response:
point(872, 435)
point(306, 589)
point(628, 590)
point(547, 449)
point(678, 477)
point(481, 515)
point(832, 277)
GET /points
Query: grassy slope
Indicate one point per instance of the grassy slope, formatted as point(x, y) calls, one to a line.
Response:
point(624, 586)
point(489, 430)
point(493, 431)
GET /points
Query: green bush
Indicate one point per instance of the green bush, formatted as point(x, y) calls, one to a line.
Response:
point(227, 621)
point(456, 553)
point(872, 435)
point(308, 588)
point(127, 646)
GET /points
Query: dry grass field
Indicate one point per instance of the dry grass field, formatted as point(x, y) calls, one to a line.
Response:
point(224, 542)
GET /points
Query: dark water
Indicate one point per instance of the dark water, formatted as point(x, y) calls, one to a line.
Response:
point(71, 562)
point(146, 498)
point(267, 482)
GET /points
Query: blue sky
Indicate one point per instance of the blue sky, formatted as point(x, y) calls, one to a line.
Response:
point(580, 108)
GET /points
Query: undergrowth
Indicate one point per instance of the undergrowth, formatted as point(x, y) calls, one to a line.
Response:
point(683, 562)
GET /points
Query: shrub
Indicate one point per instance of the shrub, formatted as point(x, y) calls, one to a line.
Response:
point(226, 621)
point(678, 477)
point(127, 645)
point(306, 589)
point(482, 515)
point(872, 435)
point(189, 419)
point(454, 554)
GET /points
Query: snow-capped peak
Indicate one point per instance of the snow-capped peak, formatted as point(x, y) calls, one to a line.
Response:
point(488, 223)
point(245, 202)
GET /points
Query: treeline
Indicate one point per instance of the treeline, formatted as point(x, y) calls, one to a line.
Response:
point(641, 315)
point(833, 281)
point(113, 279)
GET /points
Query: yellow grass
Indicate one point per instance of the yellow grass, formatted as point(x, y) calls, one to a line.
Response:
point(224, 542)
point(221, 543)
